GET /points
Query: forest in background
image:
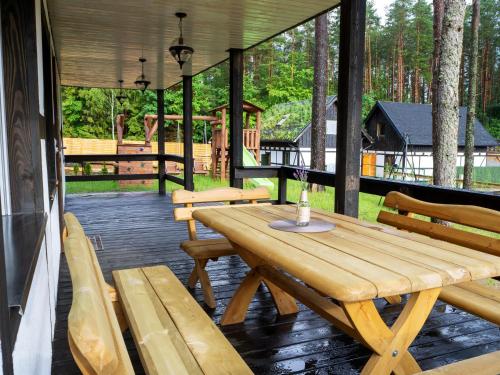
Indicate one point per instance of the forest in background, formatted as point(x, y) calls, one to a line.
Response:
point(398, 67)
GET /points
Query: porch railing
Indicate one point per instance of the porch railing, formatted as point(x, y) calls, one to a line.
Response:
point(370, 185)
point(80, 159)
point(376, 186)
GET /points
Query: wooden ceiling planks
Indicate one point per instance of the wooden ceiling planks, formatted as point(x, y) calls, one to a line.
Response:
point(99, 41)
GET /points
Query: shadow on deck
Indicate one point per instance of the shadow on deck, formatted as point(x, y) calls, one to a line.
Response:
point(137, 229)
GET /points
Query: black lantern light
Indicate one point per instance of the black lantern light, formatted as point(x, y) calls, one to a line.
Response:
point(181, 52)
point(121, 97)
point(141, 82)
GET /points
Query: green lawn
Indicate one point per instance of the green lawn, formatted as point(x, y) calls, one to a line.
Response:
point(368, 210)
point(369, 205)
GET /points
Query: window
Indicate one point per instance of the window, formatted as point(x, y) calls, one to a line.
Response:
point(286, 158)
point(265, 158)
point(331, 127)
point(380, 130)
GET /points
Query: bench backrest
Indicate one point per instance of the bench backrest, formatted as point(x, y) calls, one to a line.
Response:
point(188, 198)
point(472, 216)
point(94, 334)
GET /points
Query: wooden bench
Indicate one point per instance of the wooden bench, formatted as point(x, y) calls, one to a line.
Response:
point(475, 297)
point(487, 364)
point(204, 250)
point(172, 333)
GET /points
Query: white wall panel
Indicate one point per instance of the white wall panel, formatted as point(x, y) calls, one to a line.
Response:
point(33, 348)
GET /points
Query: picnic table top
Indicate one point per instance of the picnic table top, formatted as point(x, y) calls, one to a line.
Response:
point(355, 261)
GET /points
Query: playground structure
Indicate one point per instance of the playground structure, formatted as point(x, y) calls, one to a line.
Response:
point(135, 167)
point(219, 144)
point(220, 149)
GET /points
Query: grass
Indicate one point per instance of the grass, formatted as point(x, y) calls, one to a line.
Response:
point(369, 205)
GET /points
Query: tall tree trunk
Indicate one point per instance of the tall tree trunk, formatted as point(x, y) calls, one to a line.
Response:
point(368, 66)
point(461, 82)
point(437, 31)
point(400, 69)
point(318, 127)
point(416, 74)
point(484, 76)
point(446, 122)
point(471, 113)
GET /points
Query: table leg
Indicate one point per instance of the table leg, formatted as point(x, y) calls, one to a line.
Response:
point(390, 345)
point(238, 306)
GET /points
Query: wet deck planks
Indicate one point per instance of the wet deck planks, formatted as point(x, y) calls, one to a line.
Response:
point(137, 229)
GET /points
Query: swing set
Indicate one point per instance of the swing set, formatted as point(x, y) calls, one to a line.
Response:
point(219, 141)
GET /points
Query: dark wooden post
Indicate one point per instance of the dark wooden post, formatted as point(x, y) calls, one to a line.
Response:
point(282, 184)
point(187, 119)
point(160, 108)
point(350, 90)
point(236, 114)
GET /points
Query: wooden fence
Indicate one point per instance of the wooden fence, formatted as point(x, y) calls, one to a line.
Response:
point(84, 146)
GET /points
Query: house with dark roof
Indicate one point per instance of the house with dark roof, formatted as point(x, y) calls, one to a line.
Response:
point(401, 135)
point(286, 133)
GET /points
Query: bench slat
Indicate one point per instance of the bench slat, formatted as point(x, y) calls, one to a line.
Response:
point(186, 213)
point(219, 195)
point(476, 241)
point(477, 217)
point(160, 345)
point(486, 364)
point(471, 302)
point(214, 353)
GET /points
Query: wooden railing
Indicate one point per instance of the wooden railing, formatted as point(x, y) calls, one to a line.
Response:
point(117, 158)
point(371, 185)
point(376, 186)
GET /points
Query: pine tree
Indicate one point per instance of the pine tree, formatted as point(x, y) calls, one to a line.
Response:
point(471, 113)
point(318, 126)
point(446, 121)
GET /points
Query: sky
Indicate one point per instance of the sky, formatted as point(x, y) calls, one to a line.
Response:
point(381, 6)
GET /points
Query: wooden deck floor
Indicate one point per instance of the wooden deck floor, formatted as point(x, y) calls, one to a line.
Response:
point(137, 229)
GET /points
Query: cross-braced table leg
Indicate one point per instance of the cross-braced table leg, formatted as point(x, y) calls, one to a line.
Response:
point(390, 345)
point(238, 306)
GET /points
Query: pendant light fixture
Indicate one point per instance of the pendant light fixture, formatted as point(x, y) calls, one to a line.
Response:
point(121, 97)
point(179, 51)
point(141, 82)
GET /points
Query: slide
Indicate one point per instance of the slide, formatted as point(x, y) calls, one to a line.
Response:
point(249, 161)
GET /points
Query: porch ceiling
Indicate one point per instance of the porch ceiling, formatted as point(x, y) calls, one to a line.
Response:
point(98, 42)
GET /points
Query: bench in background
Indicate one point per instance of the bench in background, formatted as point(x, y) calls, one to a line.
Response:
point(475, 297)
point(203, 250)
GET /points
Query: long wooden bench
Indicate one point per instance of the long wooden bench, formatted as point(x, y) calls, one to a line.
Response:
point(487, 364)
point(475, 297)
point(209, 249)
point(173, 335)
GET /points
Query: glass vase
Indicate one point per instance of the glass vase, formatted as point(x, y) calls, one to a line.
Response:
point(303, 210)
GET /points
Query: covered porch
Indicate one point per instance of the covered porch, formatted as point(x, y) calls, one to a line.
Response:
point(98, 44)
point(137, 229)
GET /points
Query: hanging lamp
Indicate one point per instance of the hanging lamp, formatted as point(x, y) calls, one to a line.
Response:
point(141, 82)
point(179, 51)
point(121, 97)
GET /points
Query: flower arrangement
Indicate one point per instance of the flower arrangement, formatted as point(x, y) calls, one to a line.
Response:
point(301, 176)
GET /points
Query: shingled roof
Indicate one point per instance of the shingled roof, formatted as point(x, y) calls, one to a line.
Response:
point(416, 121)
point(288, 121)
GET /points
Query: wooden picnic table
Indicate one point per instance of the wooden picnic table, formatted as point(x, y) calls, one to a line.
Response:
point(353, 264)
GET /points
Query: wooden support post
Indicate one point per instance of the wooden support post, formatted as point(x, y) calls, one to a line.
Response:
point(350, 89)
point(236, 114)
point(282, 186)
point(187, 114)
point(160, 107)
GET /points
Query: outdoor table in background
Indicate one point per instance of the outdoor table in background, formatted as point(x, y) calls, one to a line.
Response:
point(353, 264)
